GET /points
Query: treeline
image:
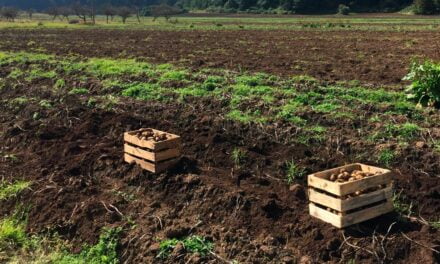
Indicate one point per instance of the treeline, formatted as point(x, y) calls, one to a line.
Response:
point(310, 6)
point(244, 6)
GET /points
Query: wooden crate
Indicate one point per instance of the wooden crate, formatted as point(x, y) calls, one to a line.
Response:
point(337, 204)
point(149, 154)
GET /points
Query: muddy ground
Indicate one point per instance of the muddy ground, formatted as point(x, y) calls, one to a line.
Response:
point(73, 154)
point(368, 56)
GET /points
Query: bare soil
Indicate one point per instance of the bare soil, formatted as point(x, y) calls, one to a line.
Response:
point(74, 156)
point(74, 153)
point(367, 56)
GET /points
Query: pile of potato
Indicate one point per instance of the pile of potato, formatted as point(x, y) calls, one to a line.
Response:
point(345, 176)
point(348, 176)
point(149, 134)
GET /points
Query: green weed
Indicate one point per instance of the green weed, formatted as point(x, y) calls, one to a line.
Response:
point(238, 156)
point(16, 73)
point(110, 67)
point(60, 84)
point(79, 91)
point(401, 206)
point(252, 80)
point(293, 172)
point(38, 73)
point(288, 113)
point(192, 244)
point(12, 233)
point(386, 157)
point(104, 252)
point(306, 79)
point(425, 86)
point(144, 91)
point(173, 76)
point(246, 117)
point(326, 108)
point(194, 90)
point(8, 190)
point(45, 104)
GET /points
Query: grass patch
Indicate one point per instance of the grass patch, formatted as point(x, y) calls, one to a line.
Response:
point(144, 91)
point(192, 244)
point(326, 108)
point(246, 117)
point(12, 233)
point(111, 67)
point(304, 79)
point(386, 157)
point(79, 91)
point(8, 190)
point(288, 113)
point(104, 252)
point(173, 75)
point(258, 79)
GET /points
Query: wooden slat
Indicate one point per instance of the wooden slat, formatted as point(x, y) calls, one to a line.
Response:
point(367, 214)
point(137, 152)
point(366, 199)
point(325, 199)
point(172, 142)
point(326, 185)
point(325, 215)
point(167, 154)
point(350, 203)
point(351, 219)
point(152, 156)
point(155, 168)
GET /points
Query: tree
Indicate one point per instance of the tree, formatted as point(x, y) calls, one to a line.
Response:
point(109, 11)
point(343, 10)
point(164, 10)
point(30, 12)
point(53, 11)
point(92, 11)
point(81, 11)
point(124, 12)
point(65, 12)
point(425, 7)
point(10, 13)
point(231, 4)
point(136, 6)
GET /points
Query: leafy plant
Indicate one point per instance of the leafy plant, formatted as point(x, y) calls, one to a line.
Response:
point(401, 206)
point(8, 190)
point(144, 91)
point(104, 252)
point(293, 172)
point(12, 232)
point(238, 156)
point(425, 86)
point(45, 104)
point(193, 244)
point(79, 91)
point(386, 157)
point(435, 224)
